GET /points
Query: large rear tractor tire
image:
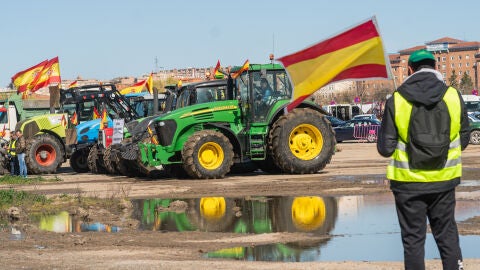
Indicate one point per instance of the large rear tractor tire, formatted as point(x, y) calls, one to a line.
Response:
point(302, 142)
point(78, 160)
point(207, 154)
point(44, 154)
point(94, 164)
point(108, 161)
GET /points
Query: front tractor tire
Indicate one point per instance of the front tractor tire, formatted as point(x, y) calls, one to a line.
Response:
point(207, 154)
point(44, 154)
point(302, 142)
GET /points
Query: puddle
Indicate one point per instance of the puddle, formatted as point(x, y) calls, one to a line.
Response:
point(361, 227)
point(353, 222)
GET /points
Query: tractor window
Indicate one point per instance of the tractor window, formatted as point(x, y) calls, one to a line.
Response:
point(3, 116)
point(269, 87)
point(209, 94)
point(183, 99)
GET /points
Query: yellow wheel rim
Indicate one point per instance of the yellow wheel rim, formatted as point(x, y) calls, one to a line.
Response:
point(306, 141)
point(210, 155)
point(212, 208)
point(308, 213)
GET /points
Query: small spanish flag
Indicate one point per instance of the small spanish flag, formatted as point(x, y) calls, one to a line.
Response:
point(73, 84)
point(245, 67)
point(96, 114)
point(104, 121)
point(63, 121)
point(74, 119)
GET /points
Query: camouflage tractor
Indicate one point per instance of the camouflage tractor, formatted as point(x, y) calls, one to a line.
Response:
point(205, 140)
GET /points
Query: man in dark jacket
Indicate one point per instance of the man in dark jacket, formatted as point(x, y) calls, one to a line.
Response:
point(423, 174)
point(21, 148)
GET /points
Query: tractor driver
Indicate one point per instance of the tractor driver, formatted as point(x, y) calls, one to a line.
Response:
point(263, 95)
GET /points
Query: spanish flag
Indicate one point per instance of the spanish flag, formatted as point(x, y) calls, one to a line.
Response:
point(73, 84)
point(49, 74)
point(355, 54)
point(149, 83)
point(63, 121)
point(217, 74)
point(74, 119)
point(245, 67)
point(104, 121)
point(24, 78)
point(96, 114)
point(136, 88)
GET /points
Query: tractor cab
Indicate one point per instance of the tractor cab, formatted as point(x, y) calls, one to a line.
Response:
point(261, 87)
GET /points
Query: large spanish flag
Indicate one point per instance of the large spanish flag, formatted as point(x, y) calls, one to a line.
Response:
point(24, 78)
point(136, 88)
point(49, 74)
point(355, 54)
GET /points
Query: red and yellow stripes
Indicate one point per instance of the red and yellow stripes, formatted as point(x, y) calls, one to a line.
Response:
point(355, 54)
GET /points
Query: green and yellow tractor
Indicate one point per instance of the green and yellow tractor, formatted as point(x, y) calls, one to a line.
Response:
point(244, 125)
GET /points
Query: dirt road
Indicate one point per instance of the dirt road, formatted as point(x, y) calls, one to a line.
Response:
point(356, 169)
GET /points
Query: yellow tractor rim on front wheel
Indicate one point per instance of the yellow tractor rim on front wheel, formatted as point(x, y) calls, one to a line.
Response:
point(210, 155)
point(305, 141)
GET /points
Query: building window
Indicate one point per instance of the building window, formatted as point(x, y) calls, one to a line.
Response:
point(459, 57)
point(438, 59)
point(451, 57)
point(443, 59)
point(459, 64)
point(467, 56)
point(459, 73)
point(467, 64)
point(452, 65)
point(468, 72)
point(444, 75)
point(403, 61)
point(443, 67)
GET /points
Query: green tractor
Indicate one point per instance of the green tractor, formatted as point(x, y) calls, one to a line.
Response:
point(245, 125)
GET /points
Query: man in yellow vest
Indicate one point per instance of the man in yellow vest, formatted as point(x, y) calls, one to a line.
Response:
point(424, 129)
point(14, 168)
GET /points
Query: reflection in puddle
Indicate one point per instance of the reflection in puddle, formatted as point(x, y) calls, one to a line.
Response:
point(365, 228)
point(64, 222)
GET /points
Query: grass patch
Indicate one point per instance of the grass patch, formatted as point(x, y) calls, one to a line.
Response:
point(14, 179)
point(12, 197)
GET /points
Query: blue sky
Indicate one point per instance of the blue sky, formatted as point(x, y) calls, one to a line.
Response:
point(104, 39)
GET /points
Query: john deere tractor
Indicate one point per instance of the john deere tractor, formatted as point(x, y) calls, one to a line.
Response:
point(126, 155)
point(205, 140)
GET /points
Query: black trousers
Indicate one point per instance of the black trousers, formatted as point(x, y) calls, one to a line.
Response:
point(412, 211)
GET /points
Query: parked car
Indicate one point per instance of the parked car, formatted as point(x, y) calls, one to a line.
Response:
point(365, 116)
point(475, 116)
point(474, 129)
point(335, 121)
point(358, 129)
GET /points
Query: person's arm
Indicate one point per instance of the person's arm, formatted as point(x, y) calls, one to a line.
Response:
point(388, 135)
point(465, 125)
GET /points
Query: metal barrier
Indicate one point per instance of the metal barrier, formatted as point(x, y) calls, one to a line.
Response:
point(366, 132)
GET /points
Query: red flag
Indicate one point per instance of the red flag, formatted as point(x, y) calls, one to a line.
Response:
point(217, 74)
point(354, 54)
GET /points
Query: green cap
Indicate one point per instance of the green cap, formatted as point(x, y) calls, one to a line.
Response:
point(420, 55)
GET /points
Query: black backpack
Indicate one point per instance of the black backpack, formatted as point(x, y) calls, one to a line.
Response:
point(429, 136)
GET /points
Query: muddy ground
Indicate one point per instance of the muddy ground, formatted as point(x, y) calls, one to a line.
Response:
point(356, 169)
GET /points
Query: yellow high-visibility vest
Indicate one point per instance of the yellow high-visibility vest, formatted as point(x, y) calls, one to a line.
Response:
point(399, 170)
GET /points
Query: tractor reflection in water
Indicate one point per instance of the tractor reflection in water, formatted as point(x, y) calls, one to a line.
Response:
point(310, 214)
